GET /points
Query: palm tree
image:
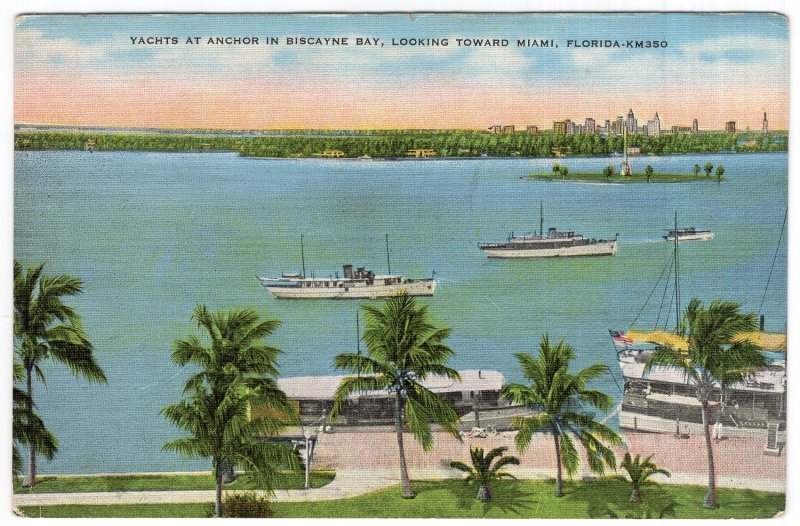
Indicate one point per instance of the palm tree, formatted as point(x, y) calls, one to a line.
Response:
point(403, 349)
point(556, 169)
point(28, 428)
point(720, 171)
point(648, 171)
point(482, 471)
point(708, 168)
point(45, 327)
point(608, 171)
point(713, 359)
point(696, 170)
point(236, 374)
point(564, 171)
point(561, 399)
point(639, 473)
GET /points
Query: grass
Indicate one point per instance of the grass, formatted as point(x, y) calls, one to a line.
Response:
point(637, 177)
point(606, 498)
point(164, 482)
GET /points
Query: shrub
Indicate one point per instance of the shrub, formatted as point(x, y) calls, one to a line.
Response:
point(247, 505)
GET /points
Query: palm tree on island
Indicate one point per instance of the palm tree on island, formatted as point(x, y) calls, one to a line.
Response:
point(403, 349)
point(561, 400)
point(708, 168)
point(697, 170)
point(47, 328)
point(648, 171)
point(232, 401)
point(715, 357)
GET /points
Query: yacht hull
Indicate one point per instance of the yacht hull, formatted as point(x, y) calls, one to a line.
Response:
point(594, 249)
point(424, 287)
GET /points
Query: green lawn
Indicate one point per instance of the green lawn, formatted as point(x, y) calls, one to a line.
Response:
point(637, 177)
point(605, 498)
point(167, 481)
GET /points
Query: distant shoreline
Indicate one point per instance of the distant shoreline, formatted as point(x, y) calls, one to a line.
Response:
point(408, 145)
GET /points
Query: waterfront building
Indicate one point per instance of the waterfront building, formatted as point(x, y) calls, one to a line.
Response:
point(654, 127)
point(532, 129)
point(421, 153)
point(631, 123)
point(730, 127)
point(608, 125)
point(560, 127)
point(695, 126)
point(590, 125)
point(496, 128)
point(475, 397)
point(508, 129)
point(682, 129)
point(765, 124)
point(91, 145)
point(569, 127)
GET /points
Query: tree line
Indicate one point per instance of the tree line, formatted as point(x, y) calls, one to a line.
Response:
point(234, 369)
point(393, 144)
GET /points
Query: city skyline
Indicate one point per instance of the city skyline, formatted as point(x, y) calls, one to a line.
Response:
point(84, 71)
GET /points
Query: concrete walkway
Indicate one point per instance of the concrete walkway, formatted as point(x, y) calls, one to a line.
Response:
point(350, 483)
point(347, 483)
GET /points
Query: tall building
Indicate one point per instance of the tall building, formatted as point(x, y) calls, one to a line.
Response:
point(654, 127)
point(591, 126)
point(730, 127)
point(618, 125)
point(569, 127)
point(764, 124)
point(608, 125)
point(532, 128)
point(559, 127)
point(631, 124)
point(695, 126)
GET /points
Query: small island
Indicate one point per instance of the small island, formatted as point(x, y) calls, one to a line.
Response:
point(611, 175)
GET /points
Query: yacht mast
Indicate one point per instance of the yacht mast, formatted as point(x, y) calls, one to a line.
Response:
point(388, 263)
point(302, 256)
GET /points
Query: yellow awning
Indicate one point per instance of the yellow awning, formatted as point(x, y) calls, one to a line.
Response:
point(667, 339)
point(768, 341)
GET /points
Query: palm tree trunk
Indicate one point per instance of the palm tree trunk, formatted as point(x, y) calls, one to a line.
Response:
point(218, 501)
point(398, 427)
point(484, 493)
point(636, 495)
point(30, 477)
point(559, 490)
point(711, 496)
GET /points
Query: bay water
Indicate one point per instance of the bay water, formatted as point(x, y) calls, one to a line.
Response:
point(155, 234)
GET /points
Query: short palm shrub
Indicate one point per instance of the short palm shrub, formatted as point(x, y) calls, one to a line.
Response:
point(639, 473)
point(482, 471)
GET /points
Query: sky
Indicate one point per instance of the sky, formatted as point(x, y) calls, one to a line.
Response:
point(85, 70)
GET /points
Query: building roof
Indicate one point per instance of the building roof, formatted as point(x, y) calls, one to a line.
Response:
point(324, 387)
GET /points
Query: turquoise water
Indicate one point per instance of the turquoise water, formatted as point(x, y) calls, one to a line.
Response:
point(154, 234)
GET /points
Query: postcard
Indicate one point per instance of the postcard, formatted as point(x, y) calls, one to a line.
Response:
point(434, 265)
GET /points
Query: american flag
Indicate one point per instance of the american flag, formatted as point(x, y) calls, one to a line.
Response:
point(620, 338)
